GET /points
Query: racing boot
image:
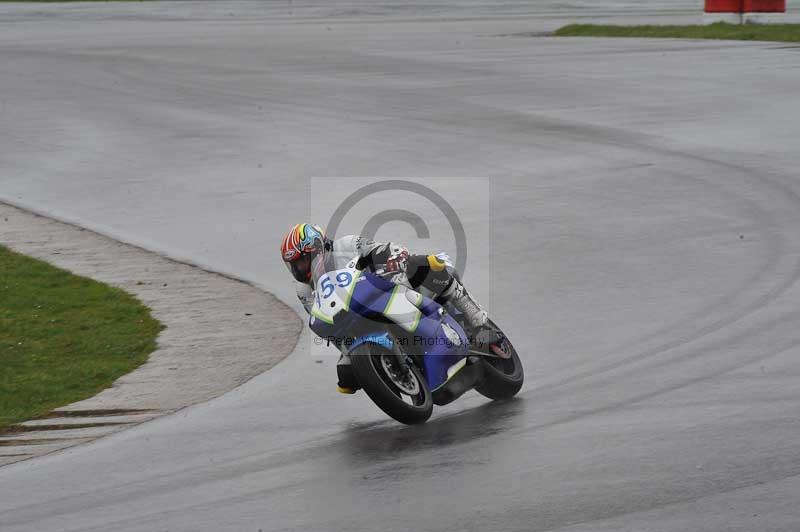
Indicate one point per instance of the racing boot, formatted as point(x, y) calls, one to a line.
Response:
point(481, 334)
point(347, 380)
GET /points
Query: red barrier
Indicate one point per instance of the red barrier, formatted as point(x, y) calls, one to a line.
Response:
point(764, 6)
point(724, 6)
point(745, 6)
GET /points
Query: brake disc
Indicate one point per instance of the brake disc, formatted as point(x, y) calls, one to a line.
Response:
point(402, 377)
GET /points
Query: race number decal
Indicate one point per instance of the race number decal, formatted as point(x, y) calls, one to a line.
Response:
point(333, 293)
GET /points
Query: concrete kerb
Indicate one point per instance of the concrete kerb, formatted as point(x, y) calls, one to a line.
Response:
point(220, 331)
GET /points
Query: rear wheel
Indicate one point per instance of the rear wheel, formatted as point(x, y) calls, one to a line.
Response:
point(399, 389)
point(503, 377)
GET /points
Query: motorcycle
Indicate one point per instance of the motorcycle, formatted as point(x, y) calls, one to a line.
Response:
point(407, 351)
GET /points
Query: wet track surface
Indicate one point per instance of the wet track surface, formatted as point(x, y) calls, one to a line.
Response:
point(644, 211)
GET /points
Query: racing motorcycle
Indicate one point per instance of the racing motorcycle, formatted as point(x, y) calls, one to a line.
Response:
point(407, 351)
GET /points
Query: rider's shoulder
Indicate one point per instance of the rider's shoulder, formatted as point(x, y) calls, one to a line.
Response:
point(354, 242)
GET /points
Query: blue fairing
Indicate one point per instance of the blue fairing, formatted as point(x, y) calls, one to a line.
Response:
point(371, 295)
point(376, 338)
point(369, 299)
point(443, 352)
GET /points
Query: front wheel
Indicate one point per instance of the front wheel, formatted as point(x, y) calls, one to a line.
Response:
point(398, 389)
point(503, 377)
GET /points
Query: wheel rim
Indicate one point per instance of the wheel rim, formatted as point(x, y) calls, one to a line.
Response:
point(402, 381)
point(402, 377)
point(507, 366)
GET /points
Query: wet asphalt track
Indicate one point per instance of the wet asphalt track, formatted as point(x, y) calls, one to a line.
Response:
point(645, 206)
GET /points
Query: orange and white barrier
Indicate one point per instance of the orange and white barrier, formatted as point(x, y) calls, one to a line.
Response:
point(744, 11)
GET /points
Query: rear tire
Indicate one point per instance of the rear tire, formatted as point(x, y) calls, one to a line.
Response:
point(370, 368)
point(503, 378)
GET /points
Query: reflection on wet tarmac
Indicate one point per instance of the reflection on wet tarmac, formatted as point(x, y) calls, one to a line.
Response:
point(369, 443)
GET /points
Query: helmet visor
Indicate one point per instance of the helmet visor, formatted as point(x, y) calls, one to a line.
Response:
point(301, 268)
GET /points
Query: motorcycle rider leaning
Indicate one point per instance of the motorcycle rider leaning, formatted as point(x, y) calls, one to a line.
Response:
point(435, 273)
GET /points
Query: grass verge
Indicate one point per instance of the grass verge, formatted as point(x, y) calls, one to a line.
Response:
point(719, 30)
point(63, 338)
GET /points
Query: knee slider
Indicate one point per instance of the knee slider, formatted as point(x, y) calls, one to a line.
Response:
point(428, 271)
point(435, 263)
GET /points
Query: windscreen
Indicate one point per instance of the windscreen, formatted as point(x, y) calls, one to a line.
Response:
point(328, 261)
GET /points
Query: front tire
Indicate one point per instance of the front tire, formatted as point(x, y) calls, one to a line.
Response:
point(503, 377)
point(399, 390)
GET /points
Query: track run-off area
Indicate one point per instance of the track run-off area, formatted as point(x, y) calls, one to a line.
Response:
point(644, 254)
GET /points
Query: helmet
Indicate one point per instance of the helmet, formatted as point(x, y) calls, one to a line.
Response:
point(300, 245)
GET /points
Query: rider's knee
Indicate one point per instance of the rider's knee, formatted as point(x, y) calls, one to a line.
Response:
point(431, 272)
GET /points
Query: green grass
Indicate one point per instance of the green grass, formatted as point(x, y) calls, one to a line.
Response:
point(63, 338)
point(719, 30)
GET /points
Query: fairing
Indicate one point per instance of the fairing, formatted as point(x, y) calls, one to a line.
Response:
point(352, 306)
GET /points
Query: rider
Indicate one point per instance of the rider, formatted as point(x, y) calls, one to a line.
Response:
point(434, 272)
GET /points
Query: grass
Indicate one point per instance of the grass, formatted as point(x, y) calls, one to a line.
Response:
point(719, 30)
point(63, 338)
